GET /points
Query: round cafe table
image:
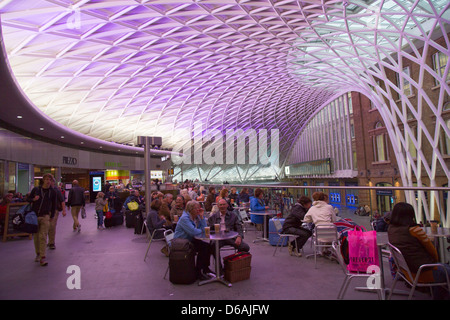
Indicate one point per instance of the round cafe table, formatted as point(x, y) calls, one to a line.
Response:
point(216, 237)
point(264, 233)
point(439, 240)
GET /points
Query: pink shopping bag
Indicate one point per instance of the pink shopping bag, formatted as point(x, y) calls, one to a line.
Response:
point(362, 250)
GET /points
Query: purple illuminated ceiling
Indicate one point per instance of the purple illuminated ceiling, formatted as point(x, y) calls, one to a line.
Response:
point(118, 69)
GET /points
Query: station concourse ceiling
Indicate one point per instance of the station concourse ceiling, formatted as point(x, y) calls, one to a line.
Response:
point(107, 71)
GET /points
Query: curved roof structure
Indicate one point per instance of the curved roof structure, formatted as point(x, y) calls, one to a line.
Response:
point(118, 69)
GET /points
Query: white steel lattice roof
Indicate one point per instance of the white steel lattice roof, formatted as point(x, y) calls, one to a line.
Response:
point(118, 69)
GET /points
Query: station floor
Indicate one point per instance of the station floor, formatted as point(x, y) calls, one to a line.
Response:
point(112, 267)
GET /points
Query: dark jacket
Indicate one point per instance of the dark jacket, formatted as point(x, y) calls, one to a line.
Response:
point(76, 197)
point(46, 204)
point(412, 250)
point(232, 222)
point(210, 199)
point(294, 219)
point(243, 197)
point(235, 197)
point(154, 222)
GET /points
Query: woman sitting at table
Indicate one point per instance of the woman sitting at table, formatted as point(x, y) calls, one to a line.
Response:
point(243, 196)
point(257, 205)
point(415, 246)
point(234, 197)
point(320, 212)
point(177, 208)
point(191, 225)
point(210, 199)
point(155, 220)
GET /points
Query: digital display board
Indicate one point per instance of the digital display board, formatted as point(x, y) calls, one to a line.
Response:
point(96, 184)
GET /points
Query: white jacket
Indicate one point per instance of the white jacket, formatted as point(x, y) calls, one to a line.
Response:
point(320, 212)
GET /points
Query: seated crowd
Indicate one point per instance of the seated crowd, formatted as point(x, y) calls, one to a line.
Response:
point(194, 208)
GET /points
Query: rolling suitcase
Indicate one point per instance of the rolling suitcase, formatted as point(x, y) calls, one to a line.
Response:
point(117, 219)
point(108, 222)
point(273, 234)
point(182, 262)
point(130, 218)
point(139, 224)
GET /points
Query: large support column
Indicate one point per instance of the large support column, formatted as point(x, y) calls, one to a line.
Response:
point(148, 143)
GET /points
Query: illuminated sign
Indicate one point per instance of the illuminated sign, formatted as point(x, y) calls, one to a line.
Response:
point(96, 184)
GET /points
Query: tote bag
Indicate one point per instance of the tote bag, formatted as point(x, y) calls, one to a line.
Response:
point(362, 250)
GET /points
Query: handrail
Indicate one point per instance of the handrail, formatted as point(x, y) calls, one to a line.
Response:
point(280, 186)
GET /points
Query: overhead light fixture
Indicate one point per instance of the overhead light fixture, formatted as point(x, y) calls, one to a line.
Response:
point(19, 117)
point(62, 137)
point(42, 129)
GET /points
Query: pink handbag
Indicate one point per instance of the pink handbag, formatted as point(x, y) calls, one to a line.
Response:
point(362, 250)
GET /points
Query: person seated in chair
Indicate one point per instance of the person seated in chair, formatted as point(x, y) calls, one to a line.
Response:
point(155, 220)
point(191, 225)
point(293, 225)
point(416, 248)
point(134, 196)
point(257, 204)
point(228, 221)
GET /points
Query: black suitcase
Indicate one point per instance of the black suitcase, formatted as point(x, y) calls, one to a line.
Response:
point(130, 218)
point(182, 262)
point(108, 222)
point(139, 224)
point(117, 219)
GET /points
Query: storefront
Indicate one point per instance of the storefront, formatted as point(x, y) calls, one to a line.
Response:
point(385, 198)
point(16, 177)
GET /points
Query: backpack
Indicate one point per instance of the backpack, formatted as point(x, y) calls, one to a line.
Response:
point(18, 219)
point(30, 224)
point(133, 205)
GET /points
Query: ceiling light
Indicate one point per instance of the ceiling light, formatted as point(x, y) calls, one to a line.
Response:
point(19, 117)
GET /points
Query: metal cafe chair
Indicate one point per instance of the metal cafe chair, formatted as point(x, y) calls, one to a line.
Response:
point(282, 236)
point(404, 272)
point(323, 237)
point(151, 237)
point(348, 274)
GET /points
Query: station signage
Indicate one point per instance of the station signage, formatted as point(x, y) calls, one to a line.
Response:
point(70, 161)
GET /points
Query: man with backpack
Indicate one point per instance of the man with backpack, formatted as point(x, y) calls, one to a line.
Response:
point(43, 203)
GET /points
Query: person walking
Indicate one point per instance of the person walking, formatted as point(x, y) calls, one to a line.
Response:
point(59, 206)
point(43, 201)
point(75, 202)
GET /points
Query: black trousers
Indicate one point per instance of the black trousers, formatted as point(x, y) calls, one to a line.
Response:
point(303, 236)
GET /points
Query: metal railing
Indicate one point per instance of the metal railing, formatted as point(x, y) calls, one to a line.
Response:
point(430, 203)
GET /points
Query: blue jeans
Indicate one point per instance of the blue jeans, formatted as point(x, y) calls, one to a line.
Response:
point(441, 293)
point(100, 218)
